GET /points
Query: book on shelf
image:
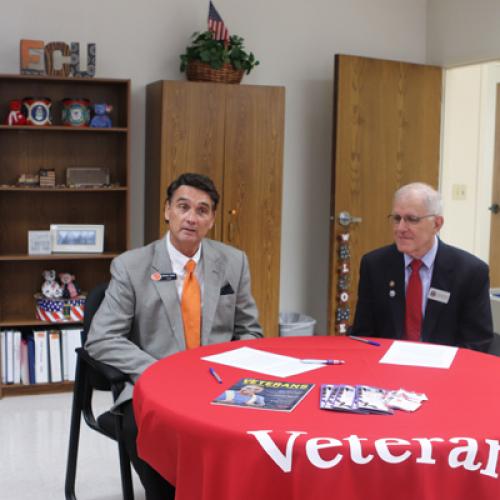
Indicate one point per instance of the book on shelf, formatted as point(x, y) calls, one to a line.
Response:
point(25, 376)
point(16, 356)
point(41, 356)
point(274, 395)
point(55, 356)
point(3, 356)
point(30, 340)
point(10, 344)
point(71, 340)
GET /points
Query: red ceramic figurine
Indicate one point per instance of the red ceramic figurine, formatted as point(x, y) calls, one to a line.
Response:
point(15, 117)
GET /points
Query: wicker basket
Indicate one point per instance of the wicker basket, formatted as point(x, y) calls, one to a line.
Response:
point(199, 71)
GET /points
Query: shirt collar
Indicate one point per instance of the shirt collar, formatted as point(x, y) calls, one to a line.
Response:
point(428, 258)
point(178, 259)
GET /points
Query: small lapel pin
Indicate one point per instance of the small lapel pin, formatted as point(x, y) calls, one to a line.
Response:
point(392, 284)
point(392, 294)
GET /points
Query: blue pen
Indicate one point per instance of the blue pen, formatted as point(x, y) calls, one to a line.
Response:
point(366, 341)
point(323, 361)
point(215, 375)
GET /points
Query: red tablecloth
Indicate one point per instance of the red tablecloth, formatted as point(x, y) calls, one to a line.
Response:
point(448, 449)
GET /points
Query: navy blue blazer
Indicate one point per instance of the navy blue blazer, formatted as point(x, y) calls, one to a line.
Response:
point(465, 321)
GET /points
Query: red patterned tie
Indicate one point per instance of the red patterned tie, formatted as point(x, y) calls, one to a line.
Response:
point(414, 303)
point(191, 306)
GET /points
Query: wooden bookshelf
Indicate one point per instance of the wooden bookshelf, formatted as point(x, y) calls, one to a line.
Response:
point(26, 149)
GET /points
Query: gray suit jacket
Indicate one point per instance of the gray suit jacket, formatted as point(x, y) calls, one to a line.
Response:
point(140, 321)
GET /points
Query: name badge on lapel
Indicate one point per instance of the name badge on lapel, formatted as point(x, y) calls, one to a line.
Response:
point(439, 295)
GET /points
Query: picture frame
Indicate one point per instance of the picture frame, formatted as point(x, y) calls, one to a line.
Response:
point(77, 238)
point(39, 243)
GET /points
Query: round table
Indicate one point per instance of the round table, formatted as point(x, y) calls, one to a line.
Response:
point(448, 449)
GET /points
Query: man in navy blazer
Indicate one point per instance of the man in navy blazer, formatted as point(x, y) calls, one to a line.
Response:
point(455, 285)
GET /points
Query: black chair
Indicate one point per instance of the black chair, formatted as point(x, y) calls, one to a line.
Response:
point(93, 375)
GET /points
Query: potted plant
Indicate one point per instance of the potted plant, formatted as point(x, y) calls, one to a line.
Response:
point(207, 59)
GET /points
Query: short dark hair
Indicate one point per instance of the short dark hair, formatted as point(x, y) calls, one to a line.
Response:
point(198, 181)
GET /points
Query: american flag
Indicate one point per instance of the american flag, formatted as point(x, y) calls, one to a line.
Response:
point(216, 24)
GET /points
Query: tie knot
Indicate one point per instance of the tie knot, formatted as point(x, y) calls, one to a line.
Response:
point(416, 264)
point(190, 265)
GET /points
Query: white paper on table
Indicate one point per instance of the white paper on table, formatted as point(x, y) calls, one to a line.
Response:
point(418, 354)
point(262, 362)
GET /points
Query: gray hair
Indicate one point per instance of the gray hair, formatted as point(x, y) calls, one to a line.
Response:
point(431, 197)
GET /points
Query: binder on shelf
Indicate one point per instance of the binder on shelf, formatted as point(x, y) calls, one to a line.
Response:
point(41, 356)
point(71, 340)
point(3, 356)
point(9, 356)
point(55, 356)
point(30, 340)
point(25, 375)
point(16, 356)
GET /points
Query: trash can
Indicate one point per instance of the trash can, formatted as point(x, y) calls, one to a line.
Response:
point(294, 324)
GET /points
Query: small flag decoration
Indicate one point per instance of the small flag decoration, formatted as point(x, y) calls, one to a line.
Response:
point(216, 24)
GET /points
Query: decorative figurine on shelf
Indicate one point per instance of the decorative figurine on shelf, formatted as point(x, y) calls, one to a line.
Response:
point(70, 288)
point(76, 112)
point(28, 180)
point(101, 118)
point(37, 110)
point(50, 287)
point(15, 116)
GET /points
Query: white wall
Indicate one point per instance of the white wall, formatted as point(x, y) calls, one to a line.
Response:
point(295, 42)
point(462, 31)
point(468, 154)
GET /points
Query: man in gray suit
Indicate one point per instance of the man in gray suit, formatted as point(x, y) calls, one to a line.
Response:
point(141, 318)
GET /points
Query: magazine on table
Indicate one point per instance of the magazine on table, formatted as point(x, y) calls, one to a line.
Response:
point(261, 394)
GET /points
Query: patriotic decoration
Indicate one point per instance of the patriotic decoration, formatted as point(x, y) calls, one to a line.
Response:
point(60, 310)
point(216, 24)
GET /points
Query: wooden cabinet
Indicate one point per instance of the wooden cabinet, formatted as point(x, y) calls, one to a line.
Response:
point(26, 149)
point(234, 134)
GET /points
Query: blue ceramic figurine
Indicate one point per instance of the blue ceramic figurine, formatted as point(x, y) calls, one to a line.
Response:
point(101, 117)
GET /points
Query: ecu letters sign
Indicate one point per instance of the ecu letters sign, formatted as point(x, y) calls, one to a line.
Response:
point(55, 59)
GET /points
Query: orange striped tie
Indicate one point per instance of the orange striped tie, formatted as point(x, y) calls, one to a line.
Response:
point(191, 306)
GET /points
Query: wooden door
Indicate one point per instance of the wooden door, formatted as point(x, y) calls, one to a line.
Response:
point(185, 133)
point(386, 134)
point(495, 206)
point(252, 189)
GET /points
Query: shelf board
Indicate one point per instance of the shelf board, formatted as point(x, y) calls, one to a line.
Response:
point(21, 390)
point(35, 189)
point(62, 128)
point(65, 79)
point(59, 256)
point(19, 322)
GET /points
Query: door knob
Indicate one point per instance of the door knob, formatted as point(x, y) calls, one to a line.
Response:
point(346, 219)
point(495, 208)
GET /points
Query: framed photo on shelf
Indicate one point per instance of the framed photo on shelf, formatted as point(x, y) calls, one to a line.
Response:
point(77, 238)
point(39, 243)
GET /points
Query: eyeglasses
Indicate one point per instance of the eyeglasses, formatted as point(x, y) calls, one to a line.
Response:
point(412, 220)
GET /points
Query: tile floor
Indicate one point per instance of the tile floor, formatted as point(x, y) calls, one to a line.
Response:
point(34, 434)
